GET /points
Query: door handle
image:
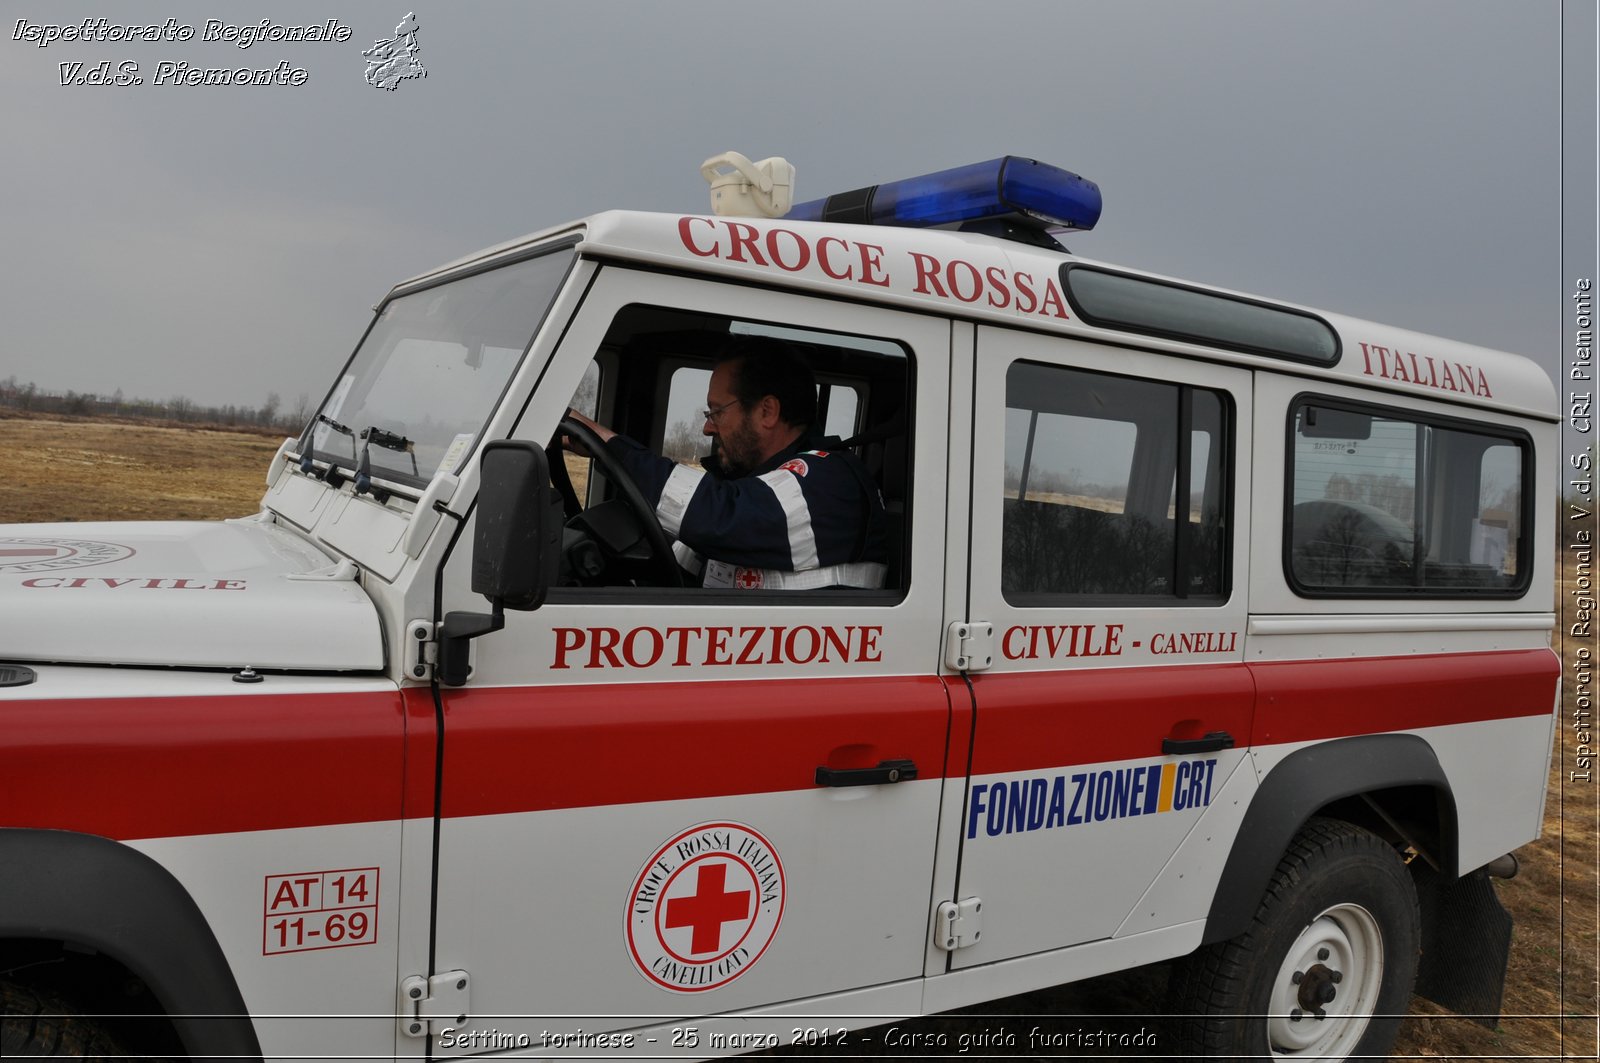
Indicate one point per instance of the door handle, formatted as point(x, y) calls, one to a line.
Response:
point(1212, 740)
point(887, 771)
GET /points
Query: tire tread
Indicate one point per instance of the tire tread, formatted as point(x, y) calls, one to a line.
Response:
point(36, 1024)
point(1207, 987)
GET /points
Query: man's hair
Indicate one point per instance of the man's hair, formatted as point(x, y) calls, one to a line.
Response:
point(765, 365)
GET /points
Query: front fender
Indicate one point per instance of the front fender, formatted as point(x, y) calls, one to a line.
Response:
point(1303, 782)
point(88, 890)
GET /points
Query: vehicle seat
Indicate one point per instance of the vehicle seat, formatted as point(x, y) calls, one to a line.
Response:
point(884, 453)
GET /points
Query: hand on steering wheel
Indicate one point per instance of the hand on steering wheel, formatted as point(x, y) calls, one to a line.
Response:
point(663, 562)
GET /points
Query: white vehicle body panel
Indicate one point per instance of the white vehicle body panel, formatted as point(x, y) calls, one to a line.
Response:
point(238, 594)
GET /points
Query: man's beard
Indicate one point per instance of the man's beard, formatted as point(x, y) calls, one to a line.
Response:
point(738, 452)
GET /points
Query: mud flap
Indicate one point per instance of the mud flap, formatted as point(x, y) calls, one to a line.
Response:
point(1466, 944)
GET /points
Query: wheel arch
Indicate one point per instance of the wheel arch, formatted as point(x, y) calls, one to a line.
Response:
point(1392, 784)
point(88, 891)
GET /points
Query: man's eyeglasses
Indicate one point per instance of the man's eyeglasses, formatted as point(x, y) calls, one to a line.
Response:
point(711, 414)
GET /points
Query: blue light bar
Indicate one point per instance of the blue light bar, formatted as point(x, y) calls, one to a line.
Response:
point(1008, 187)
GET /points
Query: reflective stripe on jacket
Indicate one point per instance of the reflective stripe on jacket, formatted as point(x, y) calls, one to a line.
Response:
point(805, 510)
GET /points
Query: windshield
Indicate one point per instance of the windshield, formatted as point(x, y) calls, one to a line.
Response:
point(424, 381)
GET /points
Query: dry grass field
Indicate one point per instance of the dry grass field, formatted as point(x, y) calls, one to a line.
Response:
point(103, 470)
point(97, 470)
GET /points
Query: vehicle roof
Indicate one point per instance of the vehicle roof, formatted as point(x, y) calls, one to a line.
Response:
point(912, 268)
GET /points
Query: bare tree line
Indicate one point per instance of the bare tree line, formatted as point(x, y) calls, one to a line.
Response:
point(271, 414)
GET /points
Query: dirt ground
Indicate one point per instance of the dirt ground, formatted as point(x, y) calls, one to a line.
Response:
point(96, 470)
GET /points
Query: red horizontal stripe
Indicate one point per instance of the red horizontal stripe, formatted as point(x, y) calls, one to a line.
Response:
point(422, 751)
point(518, 749)
point(164, 767)
point(1034, 720)
point(1050, 719)
point(1300, 701)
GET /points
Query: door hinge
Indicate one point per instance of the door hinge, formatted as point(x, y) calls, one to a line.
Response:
point(422, 649)
point(443, 997)
point(958, 924)
point(969, 645)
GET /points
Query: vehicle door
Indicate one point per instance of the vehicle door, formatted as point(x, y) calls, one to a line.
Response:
point(659, 803)
point(1107, 526)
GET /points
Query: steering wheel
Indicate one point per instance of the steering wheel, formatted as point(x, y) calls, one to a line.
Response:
point(663, 563)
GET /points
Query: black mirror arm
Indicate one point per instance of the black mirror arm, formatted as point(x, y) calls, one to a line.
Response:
point(455, 636)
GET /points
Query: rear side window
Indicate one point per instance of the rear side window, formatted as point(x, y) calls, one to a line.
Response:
point(1384, 503)
point(1114, 487)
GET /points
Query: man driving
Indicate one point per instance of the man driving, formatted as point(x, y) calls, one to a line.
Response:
point(771, 508)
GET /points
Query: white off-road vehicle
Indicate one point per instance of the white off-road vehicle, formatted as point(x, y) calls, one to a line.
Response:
point(1213, 629)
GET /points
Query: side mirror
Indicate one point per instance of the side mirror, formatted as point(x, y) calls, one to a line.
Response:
point(516, 547)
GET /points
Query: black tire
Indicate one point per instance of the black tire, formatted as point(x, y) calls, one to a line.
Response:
point(34, 1024)
point(1339, 894)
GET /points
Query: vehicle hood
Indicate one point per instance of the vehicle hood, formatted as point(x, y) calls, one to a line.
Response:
point(228, 594)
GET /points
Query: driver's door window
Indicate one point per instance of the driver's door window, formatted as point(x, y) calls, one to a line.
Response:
point(649, 380)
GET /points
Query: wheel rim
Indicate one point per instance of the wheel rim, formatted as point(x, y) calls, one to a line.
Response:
point(1335, 966)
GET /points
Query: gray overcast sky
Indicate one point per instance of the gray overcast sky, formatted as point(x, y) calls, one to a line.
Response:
point(1396, 161)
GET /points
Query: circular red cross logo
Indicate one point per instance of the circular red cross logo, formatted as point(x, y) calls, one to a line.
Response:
point(705, 907)
point(48, 555)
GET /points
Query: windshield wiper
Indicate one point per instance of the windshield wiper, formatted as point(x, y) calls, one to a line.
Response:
point(332, 475)
point(376, 436)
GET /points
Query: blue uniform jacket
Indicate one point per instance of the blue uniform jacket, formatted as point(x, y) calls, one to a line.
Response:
point(810, 517)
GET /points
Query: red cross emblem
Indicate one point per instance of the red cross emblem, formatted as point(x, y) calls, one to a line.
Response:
point(796, 466)
point(748, 579)
point(704, 907)
point(708, 908)
point(47, 555)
